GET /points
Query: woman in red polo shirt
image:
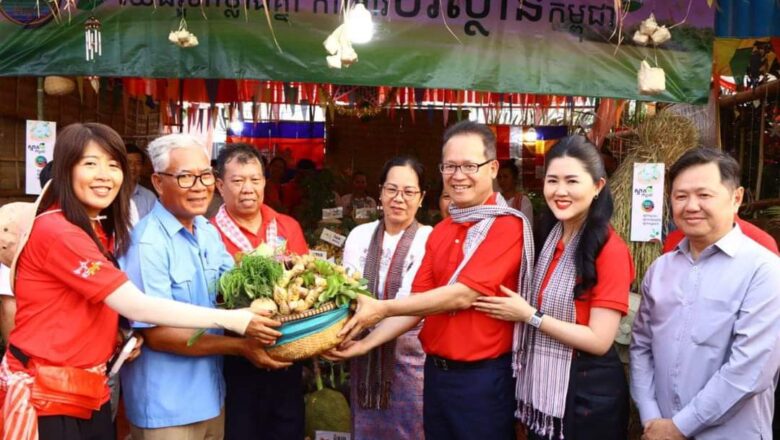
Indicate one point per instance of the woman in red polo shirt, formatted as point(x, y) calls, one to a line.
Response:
point(570, 381)
point(69, 290)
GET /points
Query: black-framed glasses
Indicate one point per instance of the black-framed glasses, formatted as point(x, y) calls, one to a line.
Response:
point(391, 192)
point(187, 180)
point(466, 168)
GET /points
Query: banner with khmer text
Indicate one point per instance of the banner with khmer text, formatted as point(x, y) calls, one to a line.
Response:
point(562, 47)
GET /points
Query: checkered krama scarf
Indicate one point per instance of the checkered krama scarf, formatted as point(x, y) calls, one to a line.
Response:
point(544, 366)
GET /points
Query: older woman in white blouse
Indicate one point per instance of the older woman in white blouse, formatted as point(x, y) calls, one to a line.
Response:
point(387, 380)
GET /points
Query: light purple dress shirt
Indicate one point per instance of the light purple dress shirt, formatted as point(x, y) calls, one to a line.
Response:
point(144, 200)
point(706, 340)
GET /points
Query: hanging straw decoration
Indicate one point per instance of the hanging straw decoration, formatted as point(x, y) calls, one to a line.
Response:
point(92, 38)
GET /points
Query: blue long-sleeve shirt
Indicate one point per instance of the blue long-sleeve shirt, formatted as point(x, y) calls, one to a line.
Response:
point(705, 349)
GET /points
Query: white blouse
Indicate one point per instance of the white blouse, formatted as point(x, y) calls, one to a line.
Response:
point(356, 249)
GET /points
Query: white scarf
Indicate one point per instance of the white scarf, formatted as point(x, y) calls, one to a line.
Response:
point(231, 230)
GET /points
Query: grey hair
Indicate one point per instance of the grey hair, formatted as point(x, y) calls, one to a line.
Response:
point(160, 149)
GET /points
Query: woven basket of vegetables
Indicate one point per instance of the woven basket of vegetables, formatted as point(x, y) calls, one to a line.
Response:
point(310, 296)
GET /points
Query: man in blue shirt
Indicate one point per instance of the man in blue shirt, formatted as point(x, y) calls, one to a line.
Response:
point(173, 391)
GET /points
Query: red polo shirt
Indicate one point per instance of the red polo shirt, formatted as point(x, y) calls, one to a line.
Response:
point(614, 272)
point(286, 228)
point(469, 335)
point(61, 282)
point(752, 231)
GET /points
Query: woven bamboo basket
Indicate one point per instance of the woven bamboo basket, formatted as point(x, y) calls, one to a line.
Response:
point(310, 345)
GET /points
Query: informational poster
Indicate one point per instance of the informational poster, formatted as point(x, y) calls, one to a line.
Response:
point(40, 149)
point(647, 202)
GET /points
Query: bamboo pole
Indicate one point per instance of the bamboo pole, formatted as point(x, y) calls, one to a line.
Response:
point(772, 87)
point(760, 176)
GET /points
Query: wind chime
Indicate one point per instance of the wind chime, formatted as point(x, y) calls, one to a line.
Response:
point(92, 38)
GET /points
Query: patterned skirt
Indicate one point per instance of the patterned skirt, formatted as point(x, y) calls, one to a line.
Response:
point(403, 419)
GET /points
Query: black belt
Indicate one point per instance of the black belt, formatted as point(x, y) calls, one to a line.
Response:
point(448, 364)
point(19, 355)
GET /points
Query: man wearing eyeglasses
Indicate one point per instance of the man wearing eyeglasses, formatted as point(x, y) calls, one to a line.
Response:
point(173, 391)
point(469, 388)
point(259, 403)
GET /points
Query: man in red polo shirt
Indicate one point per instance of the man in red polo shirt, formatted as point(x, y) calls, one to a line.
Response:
point(258, 403)
point(469, 388)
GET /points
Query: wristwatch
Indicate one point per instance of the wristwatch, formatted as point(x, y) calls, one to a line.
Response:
point(536, 319)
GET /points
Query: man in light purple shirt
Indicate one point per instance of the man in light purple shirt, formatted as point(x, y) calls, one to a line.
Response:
point(706, 341)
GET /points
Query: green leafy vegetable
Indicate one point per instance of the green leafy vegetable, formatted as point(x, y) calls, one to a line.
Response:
point(254, 277)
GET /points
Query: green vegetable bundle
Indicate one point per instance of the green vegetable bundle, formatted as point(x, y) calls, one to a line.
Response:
point(263, 282)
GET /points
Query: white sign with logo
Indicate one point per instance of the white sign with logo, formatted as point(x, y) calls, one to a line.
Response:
point(647, 202)
point(332, 213)
point(333, 238)
point(39, 147)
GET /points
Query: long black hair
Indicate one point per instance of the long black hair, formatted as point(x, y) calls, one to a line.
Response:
point(595, 229)
point(68, 150)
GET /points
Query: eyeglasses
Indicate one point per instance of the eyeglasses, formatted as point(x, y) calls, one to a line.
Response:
point(187, 181)
point(466, 168)
point(392, 191)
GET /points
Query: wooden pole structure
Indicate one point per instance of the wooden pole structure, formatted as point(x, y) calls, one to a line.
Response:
point(760, 151)
point(762, 91)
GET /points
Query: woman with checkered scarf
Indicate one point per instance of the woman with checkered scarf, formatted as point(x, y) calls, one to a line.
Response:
point(570, 382)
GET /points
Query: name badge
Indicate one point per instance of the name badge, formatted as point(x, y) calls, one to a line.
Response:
point(333, 238)
point(332, 213)
point(322, 255)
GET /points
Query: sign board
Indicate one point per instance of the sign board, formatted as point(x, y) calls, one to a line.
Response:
point(647, 202)
point(332, 213)
point(39, 149)
point(333, 238)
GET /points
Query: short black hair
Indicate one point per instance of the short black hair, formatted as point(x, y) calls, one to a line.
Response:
point(359, 173)
point(729, 168)
point(134, 149)
point(509, 164)
point(278, 159)
point(305, 164)
point(45, 175)
point(404, 161)
point(242, 152)
point(470, 127)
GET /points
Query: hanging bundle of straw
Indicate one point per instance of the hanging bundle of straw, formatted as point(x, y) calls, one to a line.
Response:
point(662, 138)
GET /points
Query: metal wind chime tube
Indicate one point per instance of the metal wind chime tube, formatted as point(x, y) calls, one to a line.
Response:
point(92, 39)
